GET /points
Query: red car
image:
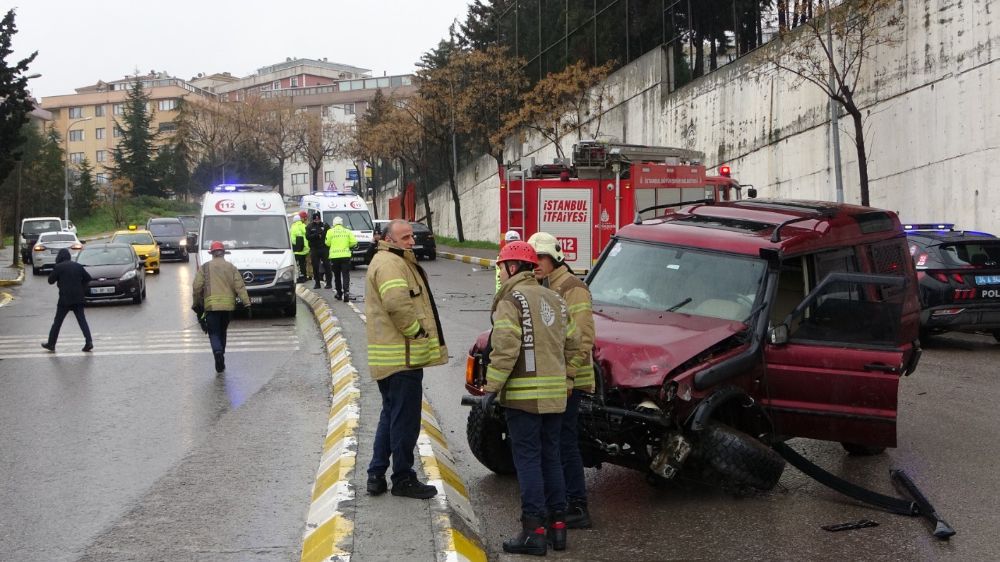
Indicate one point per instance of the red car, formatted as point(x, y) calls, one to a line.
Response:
point(724, 327)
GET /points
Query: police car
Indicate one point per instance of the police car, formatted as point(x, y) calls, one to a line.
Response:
point(959, 276)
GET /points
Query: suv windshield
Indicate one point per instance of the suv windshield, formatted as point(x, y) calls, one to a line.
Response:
point(674, 279)
point(353, 220)
point(105, 256)
point(167, 229)
point(37, 227)
point(246, 232)
point(985, 253)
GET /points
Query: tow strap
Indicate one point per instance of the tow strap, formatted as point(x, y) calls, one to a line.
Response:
point(919, 506)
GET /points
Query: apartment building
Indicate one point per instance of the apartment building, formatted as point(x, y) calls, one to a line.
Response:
point(87, 119)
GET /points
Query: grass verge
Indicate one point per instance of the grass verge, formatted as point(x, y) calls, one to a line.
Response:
point(454, 243)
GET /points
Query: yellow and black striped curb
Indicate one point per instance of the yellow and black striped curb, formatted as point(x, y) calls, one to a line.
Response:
point(329, 531)
point(456, 528)
point(484, 262)
point(15, 281)
point(5, 298)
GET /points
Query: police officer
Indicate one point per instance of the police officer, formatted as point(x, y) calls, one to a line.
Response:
point(404, 336)
point(340, 241)
point(534, 348)
point(216, 287)
point(316, 236)
point(300, 246)
point(554, 273)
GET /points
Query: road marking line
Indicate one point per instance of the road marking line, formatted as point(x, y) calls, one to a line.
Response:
point(457, 534)
point(98, 353)
point(329, 532)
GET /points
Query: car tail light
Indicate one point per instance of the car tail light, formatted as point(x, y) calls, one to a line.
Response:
point(947, 312)
point(39, 248)
point(964, 294)
point(958, 277)
point(76, 247)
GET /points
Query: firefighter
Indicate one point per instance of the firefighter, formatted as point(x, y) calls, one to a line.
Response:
point(216, 287)
point(316, 236)
point(534, 345)
point(511, 236)
point(340, 241)
point(554, 273)
point(300, 246)
point(404, 336)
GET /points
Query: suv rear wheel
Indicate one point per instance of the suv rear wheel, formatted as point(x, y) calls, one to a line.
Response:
point(736, 460)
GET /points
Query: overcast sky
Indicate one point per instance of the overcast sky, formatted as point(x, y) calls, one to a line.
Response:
point(82, 41)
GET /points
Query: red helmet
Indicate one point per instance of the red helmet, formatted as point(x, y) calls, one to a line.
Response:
point(217, 247)
point(518, 251)
point(303, 215)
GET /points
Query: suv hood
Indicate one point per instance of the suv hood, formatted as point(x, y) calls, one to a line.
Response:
point(642, 347)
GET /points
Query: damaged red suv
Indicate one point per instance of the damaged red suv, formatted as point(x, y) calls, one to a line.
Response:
point(722, 328)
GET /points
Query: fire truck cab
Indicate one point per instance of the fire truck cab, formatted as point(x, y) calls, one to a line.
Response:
point(605, 187)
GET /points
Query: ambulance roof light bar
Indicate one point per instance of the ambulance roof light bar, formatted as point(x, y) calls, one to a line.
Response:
point(241, 187)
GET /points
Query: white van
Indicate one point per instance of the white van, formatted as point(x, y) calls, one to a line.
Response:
point(352, 209)
point(250, 221)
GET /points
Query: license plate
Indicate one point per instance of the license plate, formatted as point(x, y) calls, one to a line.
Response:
point(166, 251)
point(256, 300)
point(102, 290)
point(988, 280)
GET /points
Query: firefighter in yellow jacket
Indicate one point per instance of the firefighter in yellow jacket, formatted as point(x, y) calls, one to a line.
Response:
point(216, 287)
point(554, 273)
point(340, 240)
point(534, 349)
point(404, 336)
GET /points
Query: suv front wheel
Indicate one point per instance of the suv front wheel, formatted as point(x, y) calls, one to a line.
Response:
point(736, 460)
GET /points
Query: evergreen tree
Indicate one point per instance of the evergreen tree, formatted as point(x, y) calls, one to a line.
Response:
point(479, 30)
point(15, 103)
point(85, 192)
point(133, 156)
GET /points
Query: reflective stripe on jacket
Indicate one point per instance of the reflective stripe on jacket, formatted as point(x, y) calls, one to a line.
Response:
point(534, 346)
point(298, 229)
point(398, 306)
point(340, 241)
point(580, 306)
point(217, 284)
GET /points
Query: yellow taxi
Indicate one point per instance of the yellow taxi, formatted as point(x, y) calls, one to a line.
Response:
point(143, 243)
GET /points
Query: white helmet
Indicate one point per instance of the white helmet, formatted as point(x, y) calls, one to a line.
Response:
point(338, 220)
point(546, 245)
point(511, 236)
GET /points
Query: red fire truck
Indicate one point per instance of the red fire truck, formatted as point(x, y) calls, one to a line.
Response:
point(585, 203)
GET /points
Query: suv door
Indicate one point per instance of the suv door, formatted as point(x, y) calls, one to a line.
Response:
point(833, 364)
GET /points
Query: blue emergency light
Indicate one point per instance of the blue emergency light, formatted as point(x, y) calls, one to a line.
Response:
point(240, 187)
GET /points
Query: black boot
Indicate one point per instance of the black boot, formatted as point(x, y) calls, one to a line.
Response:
point(531, 540)
point(556, 531)
point(578, 517)
point(220, 362)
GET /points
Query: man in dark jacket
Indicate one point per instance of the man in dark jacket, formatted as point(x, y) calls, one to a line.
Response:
point(316, 235)
point(72, 279)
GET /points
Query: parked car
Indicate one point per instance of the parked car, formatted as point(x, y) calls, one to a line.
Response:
point(31, 227)
point(116, 272)
point(46, 249)
point(959, 276)
point(721, 328)
point(172, 237)
point(424, 245)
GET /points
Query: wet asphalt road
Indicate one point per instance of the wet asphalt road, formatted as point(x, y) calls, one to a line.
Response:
point(139, 451)
point(948, 442)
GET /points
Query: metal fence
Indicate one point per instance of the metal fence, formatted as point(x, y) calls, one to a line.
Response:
point(705, 34)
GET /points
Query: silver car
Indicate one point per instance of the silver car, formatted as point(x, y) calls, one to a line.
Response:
point(45, 250)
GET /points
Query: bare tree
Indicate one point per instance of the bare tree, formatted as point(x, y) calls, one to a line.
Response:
point(276, 126)
point(858, 28)
point(320, 140)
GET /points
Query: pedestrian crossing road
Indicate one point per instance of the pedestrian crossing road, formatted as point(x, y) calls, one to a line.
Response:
point(168, 342)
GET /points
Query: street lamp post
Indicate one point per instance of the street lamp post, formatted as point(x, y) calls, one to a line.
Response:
point(66, 196)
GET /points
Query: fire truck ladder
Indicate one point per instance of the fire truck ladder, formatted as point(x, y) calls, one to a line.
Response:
point(515, 215)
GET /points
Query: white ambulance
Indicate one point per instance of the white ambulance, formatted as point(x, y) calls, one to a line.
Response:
point(352, 209)
point(250, 221)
